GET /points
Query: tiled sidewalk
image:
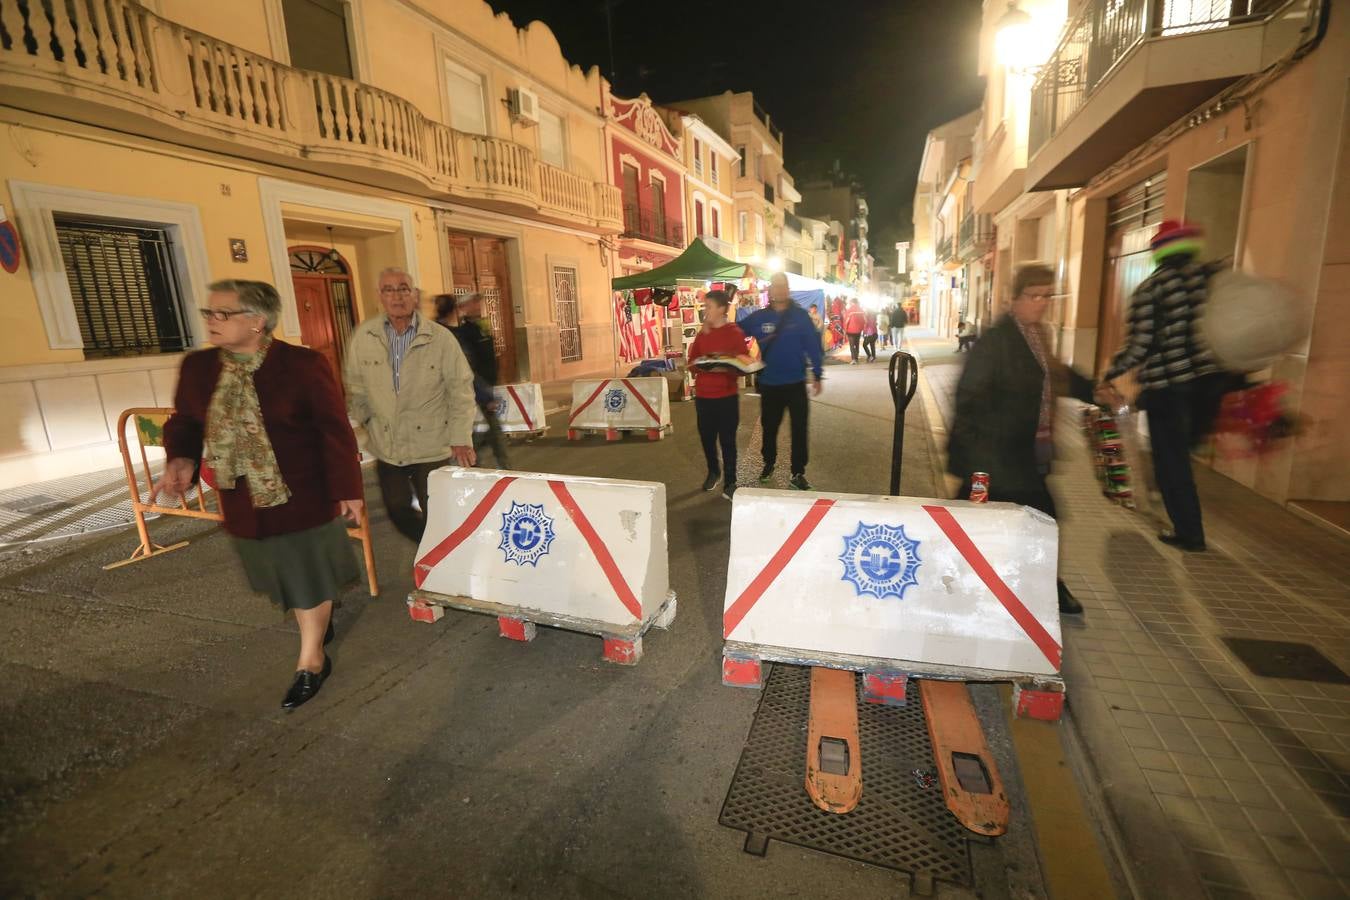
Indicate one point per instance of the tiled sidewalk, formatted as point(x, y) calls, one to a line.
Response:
point(1220, 783)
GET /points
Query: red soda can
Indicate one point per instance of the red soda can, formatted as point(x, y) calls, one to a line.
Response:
point(979, 487)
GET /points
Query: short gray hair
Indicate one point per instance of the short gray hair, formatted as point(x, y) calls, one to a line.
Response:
point(398, 270)
point(257, 297)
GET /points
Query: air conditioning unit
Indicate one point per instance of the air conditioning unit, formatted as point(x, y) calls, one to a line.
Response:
point(524, 105)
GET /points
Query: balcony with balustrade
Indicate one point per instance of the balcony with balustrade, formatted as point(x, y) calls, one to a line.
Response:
point(975, 237)
point(1126, 69)
point(116, 64)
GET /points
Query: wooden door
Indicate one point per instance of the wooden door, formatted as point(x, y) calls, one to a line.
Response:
point(316, 318)
point(479, 264)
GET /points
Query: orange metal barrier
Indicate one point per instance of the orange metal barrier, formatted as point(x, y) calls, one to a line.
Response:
point(150, 433)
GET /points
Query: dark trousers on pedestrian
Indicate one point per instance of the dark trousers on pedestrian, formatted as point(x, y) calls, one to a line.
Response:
point(1178, 418)
point(870, 347)
point(853, 340)
point(774, 399)
point(494, 437)
point(398, 486)
point(718, 419)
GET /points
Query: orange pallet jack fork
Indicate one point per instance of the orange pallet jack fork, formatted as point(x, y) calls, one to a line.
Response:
point(970, 780)
point(833, 759)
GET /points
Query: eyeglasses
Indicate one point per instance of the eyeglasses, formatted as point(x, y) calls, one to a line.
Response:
point(223, 315)
point(402, 289)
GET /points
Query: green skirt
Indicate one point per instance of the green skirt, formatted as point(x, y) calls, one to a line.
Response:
point(302, 569)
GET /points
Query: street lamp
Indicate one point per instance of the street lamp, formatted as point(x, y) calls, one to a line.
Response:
point(775, 263)
point(1012, 36)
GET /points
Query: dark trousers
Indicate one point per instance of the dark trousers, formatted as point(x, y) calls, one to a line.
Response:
point(870, 347)
point(773, 400)
point(494, 437)
point(398, 485)
point(718, 419)
point(853, 340)
point(1178, 418)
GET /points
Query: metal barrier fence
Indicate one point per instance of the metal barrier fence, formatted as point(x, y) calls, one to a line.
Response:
point(149, 422)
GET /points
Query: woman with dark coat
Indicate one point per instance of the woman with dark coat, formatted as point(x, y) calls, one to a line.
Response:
point(1005, 404)
point(268, 420)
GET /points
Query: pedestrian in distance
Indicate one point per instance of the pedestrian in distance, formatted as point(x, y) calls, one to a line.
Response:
point(717, 403)
point(1182, 386)
point(266, 420)
point(474, 334)
point(965, 336)
point(788, 345)
point(884, 327)
point(898, 318)
point(869, 337)
point(447, 310)
point(1005, 404)
point(410, 387)
point(854, 322)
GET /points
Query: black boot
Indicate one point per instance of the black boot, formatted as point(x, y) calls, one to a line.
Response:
point(1067, 604)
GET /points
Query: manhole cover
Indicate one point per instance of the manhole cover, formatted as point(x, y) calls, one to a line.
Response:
point(901, 822)
point(1286, 659)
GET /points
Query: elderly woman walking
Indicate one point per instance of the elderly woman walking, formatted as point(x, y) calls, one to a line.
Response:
point(267, 419)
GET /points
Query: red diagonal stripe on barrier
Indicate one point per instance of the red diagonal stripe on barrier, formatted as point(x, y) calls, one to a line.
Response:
point(576, 412)
point(511, 389)
point(466, 528)
point(598, 548)
point(643, 400)
point(1015, 607)
point(756, 588)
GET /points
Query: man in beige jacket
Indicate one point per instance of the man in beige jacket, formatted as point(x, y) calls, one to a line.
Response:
point(410, 386)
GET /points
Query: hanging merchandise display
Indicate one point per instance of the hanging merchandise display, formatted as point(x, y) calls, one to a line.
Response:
point(1108, 455)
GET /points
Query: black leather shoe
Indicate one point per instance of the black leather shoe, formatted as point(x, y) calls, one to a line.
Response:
point(306, 685)
point(1068, 604)
point(1172, 539)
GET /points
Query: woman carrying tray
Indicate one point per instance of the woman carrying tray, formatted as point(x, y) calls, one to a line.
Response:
point(716, 399)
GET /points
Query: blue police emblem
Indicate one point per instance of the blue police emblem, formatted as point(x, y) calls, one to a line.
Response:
point(880, 560)
point(615, 400)
point(526, 533)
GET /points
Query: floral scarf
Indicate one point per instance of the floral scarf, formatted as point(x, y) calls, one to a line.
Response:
point(236, 440)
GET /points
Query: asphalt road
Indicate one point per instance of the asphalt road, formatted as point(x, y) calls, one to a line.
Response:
point(144, 753)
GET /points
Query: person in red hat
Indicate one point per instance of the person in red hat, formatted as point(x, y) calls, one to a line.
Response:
point(1181, 385)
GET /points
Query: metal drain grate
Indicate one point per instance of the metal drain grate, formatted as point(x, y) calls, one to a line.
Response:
point(898, 824)
point(1285, 659)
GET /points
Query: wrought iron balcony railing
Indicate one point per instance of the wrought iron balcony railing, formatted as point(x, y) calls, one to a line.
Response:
point(1106, 31)
point(644, 223)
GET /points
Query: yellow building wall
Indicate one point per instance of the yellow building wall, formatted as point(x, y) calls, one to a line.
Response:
point(239, 22)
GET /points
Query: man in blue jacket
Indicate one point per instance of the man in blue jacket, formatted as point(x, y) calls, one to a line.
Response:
point(788, 342)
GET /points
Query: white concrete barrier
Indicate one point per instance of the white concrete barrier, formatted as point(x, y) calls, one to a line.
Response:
point(587, 554)
point(613, 405)
point(926, 587)
point(520, 408)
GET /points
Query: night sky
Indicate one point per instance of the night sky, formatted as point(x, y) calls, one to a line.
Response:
point(861, 81)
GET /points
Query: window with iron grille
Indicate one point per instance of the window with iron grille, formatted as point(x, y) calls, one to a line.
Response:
point(565, 312)
point(124, 287)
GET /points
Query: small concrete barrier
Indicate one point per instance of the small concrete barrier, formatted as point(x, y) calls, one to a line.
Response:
point(616, 405)
point(520, 409)
point(894, 587)
point(584, 554)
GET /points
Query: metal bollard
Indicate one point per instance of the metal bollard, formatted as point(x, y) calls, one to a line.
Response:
point(904, 378)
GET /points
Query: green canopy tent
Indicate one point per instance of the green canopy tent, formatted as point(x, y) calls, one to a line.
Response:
point(697, 263)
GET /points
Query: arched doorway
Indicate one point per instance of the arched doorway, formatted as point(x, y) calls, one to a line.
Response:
point(324, 298)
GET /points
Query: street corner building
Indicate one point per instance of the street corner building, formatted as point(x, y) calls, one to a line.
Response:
point(1101, 120)
point(152, 148)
